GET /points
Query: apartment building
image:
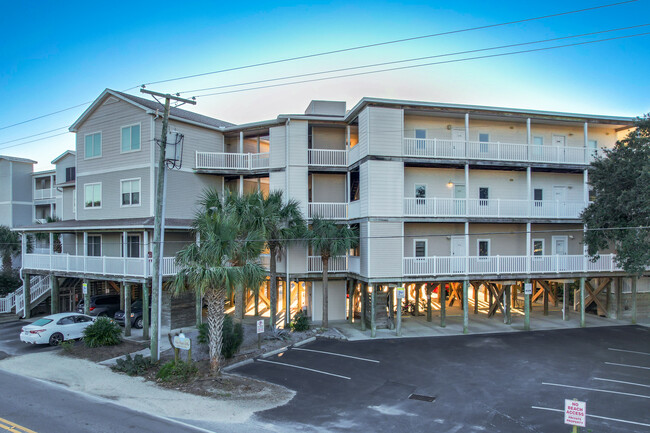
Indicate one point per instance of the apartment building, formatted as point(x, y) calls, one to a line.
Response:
point(441, 194)
point(16, 193)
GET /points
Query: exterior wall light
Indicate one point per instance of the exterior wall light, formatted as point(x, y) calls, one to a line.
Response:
point(450, 184)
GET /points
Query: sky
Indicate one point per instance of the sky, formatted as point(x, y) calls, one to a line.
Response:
point(56, 55)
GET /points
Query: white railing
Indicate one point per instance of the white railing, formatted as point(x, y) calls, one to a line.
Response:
point(328, 157)
point(333, 211)
point(102, 265)
point(496, 151)
point(39, 285)
point(7, 303)
point(496, 265)
point(335, 264)
point(354, 264)
point(452, 207)
point(235, 161)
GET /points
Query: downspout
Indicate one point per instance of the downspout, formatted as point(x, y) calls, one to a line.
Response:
point(287, 286)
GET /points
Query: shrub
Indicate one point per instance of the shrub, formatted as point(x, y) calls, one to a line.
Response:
point(135, 366)
point(232, 336)
point(102, 332)
point(180, 371)
point(67, 345)
point(300, 322)
point(9, 281)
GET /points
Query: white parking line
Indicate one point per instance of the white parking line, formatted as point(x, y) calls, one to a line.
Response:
point(336, 354)
point(627, 365)
point(629, 351)
point(621, 381)
point(595, 416)
point(597, 390)
point(303, 368)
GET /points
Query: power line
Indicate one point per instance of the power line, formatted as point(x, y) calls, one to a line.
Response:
point(423, 65)
point(33, 141)
point(412, 59)
point(378, 44)
point(34, 135)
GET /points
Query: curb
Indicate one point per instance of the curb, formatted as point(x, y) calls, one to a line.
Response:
point(305, 341)
point(110, 362)
point(268, 354)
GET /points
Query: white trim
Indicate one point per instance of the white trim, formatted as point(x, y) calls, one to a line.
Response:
point(532, 246)
point(101, 145)
point(139, 124)
point(112, 170)
point(101, 193)
point(26, 203)
point(101, 244)
point(139, 179)
point(426, 247)
point(553, 239)
point(478, 136)
point(478, 247)
point(140, 244)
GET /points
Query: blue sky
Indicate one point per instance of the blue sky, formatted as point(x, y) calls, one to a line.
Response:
point(58, 54)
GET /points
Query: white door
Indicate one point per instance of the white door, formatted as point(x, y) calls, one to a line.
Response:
point(561, 249)
point(559, 142)
point(458, 142)
point(460, 202)
point(559, 201)
point(458, 253)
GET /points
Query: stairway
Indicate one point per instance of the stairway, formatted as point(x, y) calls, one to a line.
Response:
point(39, 291)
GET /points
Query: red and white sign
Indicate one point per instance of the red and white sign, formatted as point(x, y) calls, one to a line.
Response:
point(575, 413)
point(260, 326)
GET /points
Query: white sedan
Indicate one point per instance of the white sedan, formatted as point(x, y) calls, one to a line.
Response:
point(55, 328)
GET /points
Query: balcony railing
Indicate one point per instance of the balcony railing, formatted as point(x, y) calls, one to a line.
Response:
point(328, 158)
point(42, 194)
point(333, 211)
point(492, 208)
point(335, 264)
point(235, 161)
point(497, 151)
point(99, 265)
point(496, 265)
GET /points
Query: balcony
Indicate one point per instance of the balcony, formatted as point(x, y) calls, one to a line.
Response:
point(328, 158)
point(102, 265)
point(231, 161)
point(332, 211)
point(496, 151)
point(47, 193)
point(506, 265)
point(335, 264)
point(492, 208)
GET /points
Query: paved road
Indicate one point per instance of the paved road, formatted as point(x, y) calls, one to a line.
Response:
point(512, 382)
point(10, 344)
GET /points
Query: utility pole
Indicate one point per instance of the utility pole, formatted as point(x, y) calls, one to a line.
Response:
point(159, 224)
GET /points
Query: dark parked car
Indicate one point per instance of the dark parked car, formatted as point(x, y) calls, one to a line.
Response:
point(101, 305)
point(136, 315)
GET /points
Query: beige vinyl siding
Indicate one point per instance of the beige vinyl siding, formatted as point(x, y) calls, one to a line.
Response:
point(297, 259)
point(385, 243)
point(277, 156)
point(195, 138)
point(335, 302)
point(277, 181)
point(184, 190)
point(547, 231)
point(436, 127)
point(328, 138)
point(546, 182)
point(111, 195)
point(386, 181)
point(328, 188)
point(298, 186)
point(176, 241)
point(386, 126)
point(298, 143)
point(435, 234)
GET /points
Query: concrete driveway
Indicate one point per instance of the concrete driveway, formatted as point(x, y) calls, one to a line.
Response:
point(494, 383)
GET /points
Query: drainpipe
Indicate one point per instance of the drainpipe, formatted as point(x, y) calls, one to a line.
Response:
point(287, 291)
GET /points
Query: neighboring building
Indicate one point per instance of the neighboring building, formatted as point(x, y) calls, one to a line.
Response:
point(441, 193)
point(16, 192)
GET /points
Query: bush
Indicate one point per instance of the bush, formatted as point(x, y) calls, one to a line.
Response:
point(67, 345)
point(232, 336)
point(135, 366)
point(103, 332)
point(300, 322)
point(180, 371)
point(9, 282)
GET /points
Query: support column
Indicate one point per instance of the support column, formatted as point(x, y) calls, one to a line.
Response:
point(526, 307)
point(442, 297)
point(475, 298)
point(466, 241)
point(27, 301)
point(122, 302)
point(582, 302)
point(146, 286)
point(565, 312)
point(429, 290)
point(465, 307)
point(529, 246)
point(507, 319)
point(241, 185)
point(633, 283)
point(198, 307)
point(241, 141)
point(364, 292)
point(127, 309)
point(416, 311)
point(54, 294)
point(619, 298)
point(350, 290)
point(466, 131)
point(373, 312)
point(87, 296)
point(545, 296)
point(398, 324)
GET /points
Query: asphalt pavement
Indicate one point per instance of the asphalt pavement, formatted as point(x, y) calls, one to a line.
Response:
point(10, 344)
point(515, 382)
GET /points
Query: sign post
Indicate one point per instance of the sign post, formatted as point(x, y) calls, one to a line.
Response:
point(260, 331)
point(575, 413)
point(181, 342)
point(400, 293)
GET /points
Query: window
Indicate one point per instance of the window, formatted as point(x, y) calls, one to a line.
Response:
point(68, 320)
point(131, 192)
point(538, 141)
point(69, 174)
point(538, 196)
point(93, 147)
point(484, 138)
point(484, 196)
point(131, 138)
point(538, 247)
point(420, 193)
point(94, 246)
point(93, 195)
point(420, 135)
point(82, 319)
point(420, 248)
point(132, 246)
point(483, 247)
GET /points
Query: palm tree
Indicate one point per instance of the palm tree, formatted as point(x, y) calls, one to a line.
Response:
point(226, 258)
point(280, 223)
point(330, 239)
point(9, 246)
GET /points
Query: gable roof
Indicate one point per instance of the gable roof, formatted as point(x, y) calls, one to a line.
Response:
point(63, 155)
point(151, 107)
point(16, 159)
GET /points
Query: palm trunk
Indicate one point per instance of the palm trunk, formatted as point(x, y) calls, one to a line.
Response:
point(216, 312)
point(273, 288)
point(240, 301)
point(325, 291)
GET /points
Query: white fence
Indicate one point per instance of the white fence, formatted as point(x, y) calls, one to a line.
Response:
point(238, 161)
point(495, 265)
point(335, 264)
point(102, 265)
point(496, 151)
point(328, 158)
point(40, 194)
point(333, 211)
point(451, 207)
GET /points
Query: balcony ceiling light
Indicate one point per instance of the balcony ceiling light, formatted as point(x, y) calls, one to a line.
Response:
point(450, 184)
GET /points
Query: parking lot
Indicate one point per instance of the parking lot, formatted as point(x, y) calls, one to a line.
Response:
point(495, 382)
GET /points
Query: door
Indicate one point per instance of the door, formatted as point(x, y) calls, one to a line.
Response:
point(458, 253)
point(458, 142)
point(561, 249)
point(559, 144)
point(460, 202)
point(559, 201)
